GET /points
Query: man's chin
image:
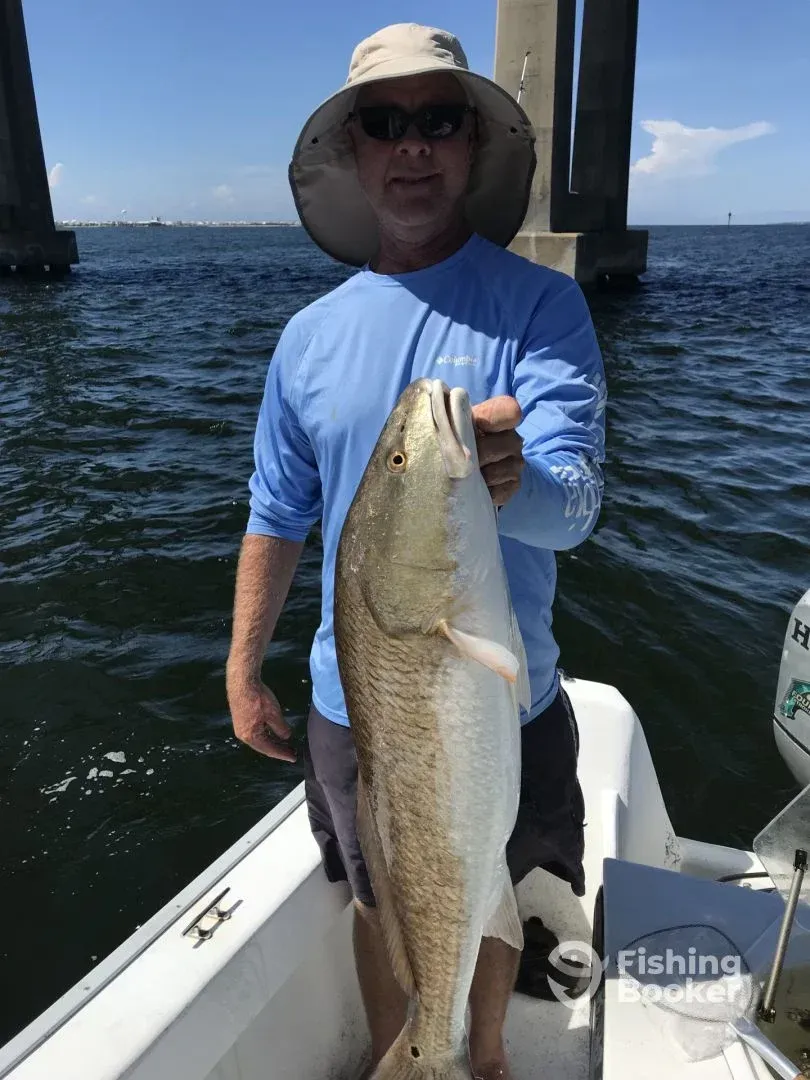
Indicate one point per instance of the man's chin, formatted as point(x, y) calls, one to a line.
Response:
point(416, 213)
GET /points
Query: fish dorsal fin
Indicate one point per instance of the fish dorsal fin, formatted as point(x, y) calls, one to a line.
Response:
point(483, 651)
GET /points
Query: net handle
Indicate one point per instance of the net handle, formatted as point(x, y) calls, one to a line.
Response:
point(768, 1051)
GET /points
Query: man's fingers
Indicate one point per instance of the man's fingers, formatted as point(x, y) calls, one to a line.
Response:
point(277, 726)
point(259, 723)
point(265, 743)
point(497, 414)
point(502, 493)
point(503, 472)
point(503, 479)
point(505, 444)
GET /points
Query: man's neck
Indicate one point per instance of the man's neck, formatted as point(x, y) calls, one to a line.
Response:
point(401, 254)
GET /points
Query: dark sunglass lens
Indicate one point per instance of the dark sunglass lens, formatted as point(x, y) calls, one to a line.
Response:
point(390, 122)
point(382, 122)
point(439, 121)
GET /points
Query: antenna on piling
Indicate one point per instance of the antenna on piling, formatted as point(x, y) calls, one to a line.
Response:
point(522, 86)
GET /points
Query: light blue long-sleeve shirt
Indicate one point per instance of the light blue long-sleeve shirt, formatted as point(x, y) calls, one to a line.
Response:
point(484, 319)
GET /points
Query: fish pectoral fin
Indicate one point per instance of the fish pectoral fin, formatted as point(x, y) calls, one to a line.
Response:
point(504, 922)
point(524, 690)
point(483, 651)
point(371, 846)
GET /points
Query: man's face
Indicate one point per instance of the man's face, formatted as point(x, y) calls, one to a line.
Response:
point(414, 183)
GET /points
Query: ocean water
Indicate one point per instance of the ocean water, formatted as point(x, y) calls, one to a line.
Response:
point(129, 397)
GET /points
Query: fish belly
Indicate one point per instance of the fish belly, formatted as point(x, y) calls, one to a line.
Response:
point(445, 794)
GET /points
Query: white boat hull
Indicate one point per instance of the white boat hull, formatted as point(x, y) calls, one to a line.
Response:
point(272, 994)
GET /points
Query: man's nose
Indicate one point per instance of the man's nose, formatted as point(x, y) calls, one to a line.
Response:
point(412, 144)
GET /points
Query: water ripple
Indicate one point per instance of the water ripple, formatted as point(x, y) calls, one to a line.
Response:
point(126, 426)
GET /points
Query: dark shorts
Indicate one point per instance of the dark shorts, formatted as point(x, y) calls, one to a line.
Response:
point(549, 831)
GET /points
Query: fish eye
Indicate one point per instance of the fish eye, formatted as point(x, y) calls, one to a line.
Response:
point(397, 461)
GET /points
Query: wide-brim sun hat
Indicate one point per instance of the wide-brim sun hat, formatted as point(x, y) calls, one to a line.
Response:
point(323, 176)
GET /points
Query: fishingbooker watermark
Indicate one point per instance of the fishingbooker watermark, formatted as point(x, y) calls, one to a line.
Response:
point(656, 978)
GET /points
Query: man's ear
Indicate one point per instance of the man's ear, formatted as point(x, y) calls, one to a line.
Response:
point(472, 146)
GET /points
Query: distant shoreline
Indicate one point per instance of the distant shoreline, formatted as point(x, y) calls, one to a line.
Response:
point(178, 224)
point(297, 225)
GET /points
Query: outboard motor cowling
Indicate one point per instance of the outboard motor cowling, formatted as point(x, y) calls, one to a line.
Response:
point(791, 713)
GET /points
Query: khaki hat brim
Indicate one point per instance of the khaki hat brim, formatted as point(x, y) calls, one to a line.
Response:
point(327, 192)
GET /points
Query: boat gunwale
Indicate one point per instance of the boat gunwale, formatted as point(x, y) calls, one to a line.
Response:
point(43, 1026)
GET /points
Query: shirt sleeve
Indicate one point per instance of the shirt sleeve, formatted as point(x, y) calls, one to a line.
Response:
point(285, 488)
point(559, 382)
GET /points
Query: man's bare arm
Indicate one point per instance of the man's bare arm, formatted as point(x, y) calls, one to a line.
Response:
point(265, 572)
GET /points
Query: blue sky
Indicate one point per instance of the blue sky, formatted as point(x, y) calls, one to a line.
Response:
point(189, 108)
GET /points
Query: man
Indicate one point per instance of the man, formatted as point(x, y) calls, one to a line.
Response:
point(418, 171)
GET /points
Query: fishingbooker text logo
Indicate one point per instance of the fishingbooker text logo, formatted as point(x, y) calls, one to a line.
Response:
point(666, 978)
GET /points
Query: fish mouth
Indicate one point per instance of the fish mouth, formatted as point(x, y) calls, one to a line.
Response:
point(451, 415)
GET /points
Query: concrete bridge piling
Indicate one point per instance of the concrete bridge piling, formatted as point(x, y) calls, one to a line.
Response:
point(29, 239)
point(577, 217)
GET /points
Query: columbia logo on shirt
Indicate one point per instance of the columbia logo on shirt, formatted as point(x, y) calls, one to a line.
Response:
point(458, 361)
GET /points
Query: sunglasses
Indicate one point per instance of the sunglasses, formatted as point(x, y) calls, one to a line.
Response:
point(389, 122)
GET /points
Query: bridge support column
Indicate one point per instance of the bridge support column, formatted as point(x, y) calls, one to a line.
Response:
point(577, 216)
point(29, 240)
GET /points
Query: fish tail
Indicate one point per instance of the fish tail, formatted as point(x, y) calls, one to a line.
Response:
point(406, 1061)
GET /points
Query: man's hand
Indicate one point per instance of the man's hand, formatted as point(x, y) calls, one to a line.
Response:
point(500, 448)
point(266, 568)
point(257, 721)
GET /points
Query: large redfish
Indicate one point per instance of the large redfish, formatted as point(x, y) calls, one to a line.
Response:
point(433, 670)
